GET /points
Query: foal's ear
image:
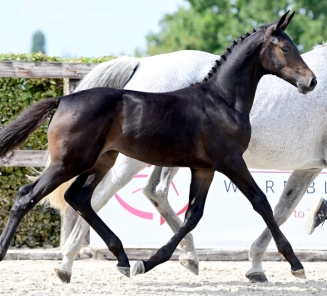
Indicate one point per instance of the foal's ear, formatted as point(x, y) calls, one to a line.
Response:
point(287, 21)
point(282, 22)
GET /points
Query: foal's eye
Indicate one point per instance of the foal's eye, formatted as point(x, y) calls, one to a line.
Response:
point(285, 48)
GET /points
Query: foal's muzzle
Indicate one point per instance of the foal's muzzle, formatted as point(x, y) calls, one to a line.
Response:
point(310, 86)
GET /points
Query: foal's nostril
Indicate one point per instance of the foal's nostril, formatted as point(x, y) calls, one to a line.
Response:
point(313, 83)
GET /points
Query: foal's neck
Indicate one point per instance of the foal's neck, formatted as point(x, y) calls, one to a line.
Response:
point(239, 71)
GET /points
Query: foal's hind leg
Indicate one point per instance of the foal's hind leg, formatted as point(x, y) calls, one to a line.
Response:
point(79, 196)
point(27, 197)
point(238, 173)
point(200, 183)
point(293, 192)
point(119, 175)
point(156, 190)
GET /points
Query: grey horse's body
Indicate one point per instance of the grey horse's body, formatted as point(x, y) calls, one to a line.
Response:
point(288, 133)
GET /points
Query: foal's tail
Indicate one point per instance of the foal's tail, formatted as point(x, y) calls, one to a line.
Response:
point(15, 133)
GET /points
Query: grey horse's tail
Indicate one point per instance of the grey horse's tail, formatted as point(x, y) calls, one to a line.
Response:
point(115, 73)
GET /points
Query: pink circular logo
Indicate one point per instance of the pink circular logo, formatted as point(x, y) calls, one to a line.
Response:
point(142, 214)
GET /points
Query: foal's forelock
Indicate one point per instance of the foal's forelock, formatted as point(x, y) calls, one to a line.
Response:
point(224, 56)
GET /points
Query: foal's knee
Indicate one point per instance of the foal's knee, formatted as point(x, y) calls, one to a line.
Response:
point(193, 218)
point(260, 204)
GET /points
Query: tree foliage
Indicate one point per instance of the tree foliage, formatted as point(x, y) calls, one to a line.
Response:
point(211, 25)
point(38, 42)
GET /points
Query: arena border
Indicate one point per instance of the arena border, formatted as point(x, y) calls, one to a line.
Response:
point(137, 254)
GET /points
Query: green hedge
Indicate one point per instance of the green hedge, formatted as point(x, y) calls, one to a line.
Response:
point(40, 227)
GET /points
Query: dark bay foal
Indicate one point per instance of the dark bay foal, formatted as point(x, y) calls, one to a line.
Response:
point(205, 127)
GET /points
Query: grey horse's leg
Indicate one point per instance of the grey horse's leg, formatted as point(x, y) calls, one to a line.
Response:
point(293, 192)
point(156, 190)
point(118, 176)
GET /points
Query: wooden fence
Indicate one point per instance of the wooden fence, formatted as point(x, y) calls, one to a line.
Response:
point(71, 73)
point(45, 70)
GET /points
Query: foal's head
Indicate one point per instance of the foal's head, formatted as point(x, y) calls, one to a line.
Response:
point(280, 56)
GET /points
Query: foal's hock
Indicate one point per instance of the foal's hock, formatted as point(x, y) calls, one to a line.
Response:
point(205, 127)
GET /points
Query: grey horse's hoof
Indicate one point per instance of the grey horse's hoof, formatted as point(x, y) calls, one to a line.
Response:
point(124, 270)
point(138, 268)
point(257, 277)
point(64, 276)
point(300, 274)
point(191, 264)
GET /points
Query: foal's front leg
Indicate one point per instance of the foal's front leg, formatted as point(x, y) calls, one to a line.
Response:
point(156, 190)
point(239, 174)
point(200, 183)
point(293, 192)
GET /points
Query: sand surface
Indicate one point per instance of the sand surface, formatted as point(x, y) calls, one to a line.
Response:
point(99, 277)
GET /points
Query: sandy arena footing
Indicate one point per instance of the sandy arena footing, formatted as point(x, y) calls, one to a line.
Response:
point(99, 277)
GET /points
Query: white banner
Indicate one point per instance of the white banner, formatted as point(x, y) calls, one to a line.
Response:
point(228, 221)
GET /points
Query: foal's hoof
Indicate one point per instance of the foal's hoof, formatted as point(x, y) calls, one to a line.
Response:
point(124, 270)
point(190, 263)
point(64, 276)
point(257, 277)
point(138, 268)
point(300, 274)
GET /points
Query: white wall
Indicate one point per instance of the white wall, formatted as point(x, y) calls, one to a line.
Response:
point(228, 222)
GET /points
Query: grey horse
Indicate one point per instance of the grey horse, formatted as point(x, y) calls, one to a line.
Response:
point(279, 141)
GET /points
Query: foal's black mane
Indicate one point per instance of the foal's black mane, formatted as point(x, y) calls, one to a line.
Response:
point(224, 56)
